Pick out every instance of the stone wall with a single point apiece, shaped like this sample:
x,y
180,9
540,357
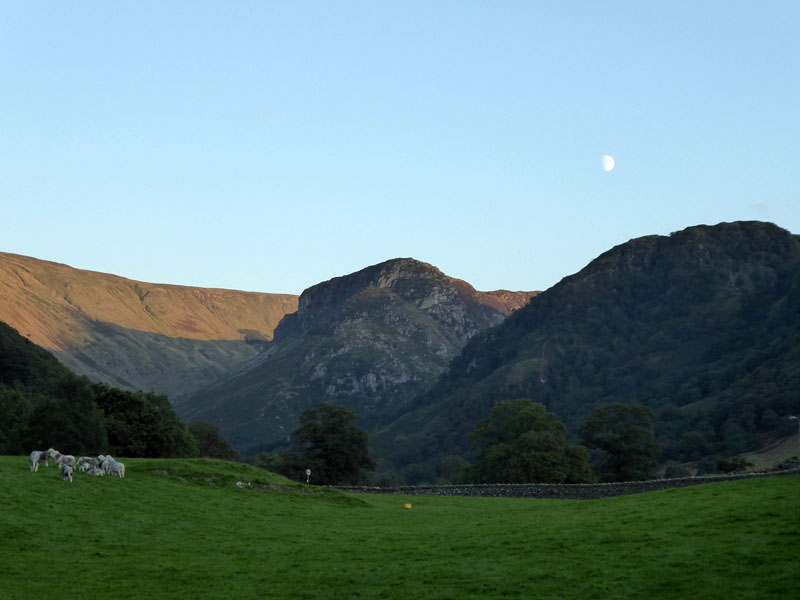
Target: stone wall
x,y
574,491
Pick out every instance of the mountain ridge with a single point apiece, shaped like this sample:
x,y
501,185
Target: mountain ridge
x,y
703,326
96,322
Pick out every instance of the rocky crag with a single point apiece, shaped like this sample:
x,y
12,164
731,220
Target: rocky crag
x,y
370,341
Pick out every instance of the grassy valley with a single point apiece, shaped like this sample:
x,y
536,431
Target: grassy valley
x,y
184,529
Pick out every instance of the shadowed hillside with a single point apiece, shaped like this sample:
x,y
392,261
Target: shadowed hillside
x,y
703,326
166,338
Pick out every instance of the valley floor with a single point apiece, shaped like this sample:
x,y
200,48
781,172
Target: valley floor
x,y
195,529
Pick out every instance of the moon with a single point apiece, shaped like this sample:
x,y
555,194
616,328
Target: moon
x,y
608,163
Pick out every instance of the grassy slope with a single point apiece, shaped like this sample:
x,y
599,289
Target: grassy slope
x,y
165,338
52,304
151,535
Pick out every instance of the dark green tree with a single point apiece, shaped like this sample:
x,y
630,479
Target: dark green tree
x,y
143,425
13,405
331,445
520,442
70,423
622,436
210,443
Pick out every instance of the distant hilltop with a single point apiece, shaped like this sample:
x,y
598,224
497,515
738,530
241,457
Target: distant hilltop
x,y
137,335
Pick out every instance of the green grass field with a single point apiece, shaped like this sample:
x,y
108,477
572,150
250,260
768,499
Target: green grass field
x,y
156,536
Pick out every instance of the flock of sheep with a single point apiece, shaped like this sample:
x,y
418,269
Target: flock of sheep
x,y
91,465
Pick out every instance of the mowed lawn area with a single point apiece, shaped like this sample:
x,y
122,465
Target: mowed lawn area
x,y
164,531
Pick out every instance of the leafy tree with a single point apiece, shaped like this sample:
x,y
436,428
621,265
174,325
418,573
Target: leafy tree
x,y
143,425
71,424
287,463
331,445
520,442
210,443
622,434
13,405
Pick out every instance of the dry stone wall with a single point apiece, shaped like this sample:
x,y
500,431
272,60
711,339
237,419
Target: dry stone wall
x,y
573,491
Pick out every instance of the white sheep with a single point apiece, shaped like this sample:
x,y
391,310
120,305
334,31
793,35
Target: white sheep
x,y
65,459
66,473
38,457
34,460
118,469
106,464
96,472
86,462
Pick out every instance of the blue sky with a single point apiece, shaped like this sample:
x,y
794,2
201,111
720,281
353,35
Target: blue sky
x,y
268,146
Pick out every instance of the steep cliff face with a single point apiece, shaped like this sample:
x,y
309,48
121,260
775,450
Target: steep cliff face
x,y
369,340
165,338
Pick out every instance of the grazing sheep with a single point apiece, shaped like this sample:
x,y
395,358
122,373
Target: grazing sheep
x,y
34,460
65,459
38,457
96,472
106,464
118,469
86,462
66,473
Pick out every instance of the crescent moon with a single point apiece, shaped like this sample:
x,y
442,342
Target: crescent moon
x,y
608,163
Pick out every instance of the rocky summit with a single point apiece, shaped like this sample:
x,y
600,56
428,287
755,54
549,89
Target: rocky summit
x,y
371,341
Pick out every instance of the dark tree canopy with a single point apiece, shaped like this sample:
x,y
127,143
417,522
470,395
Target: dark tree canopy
x,y
520,442
623,436
65,417
72,425
331,445
210,443
143,425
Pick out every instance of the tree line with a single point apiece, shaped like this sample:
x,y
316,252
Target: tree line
x,y
94,418
42,404
518,442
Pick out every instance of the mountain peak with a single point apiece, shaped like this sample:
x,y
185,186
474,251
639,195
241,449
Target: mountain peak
x,y
382,275
370,340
